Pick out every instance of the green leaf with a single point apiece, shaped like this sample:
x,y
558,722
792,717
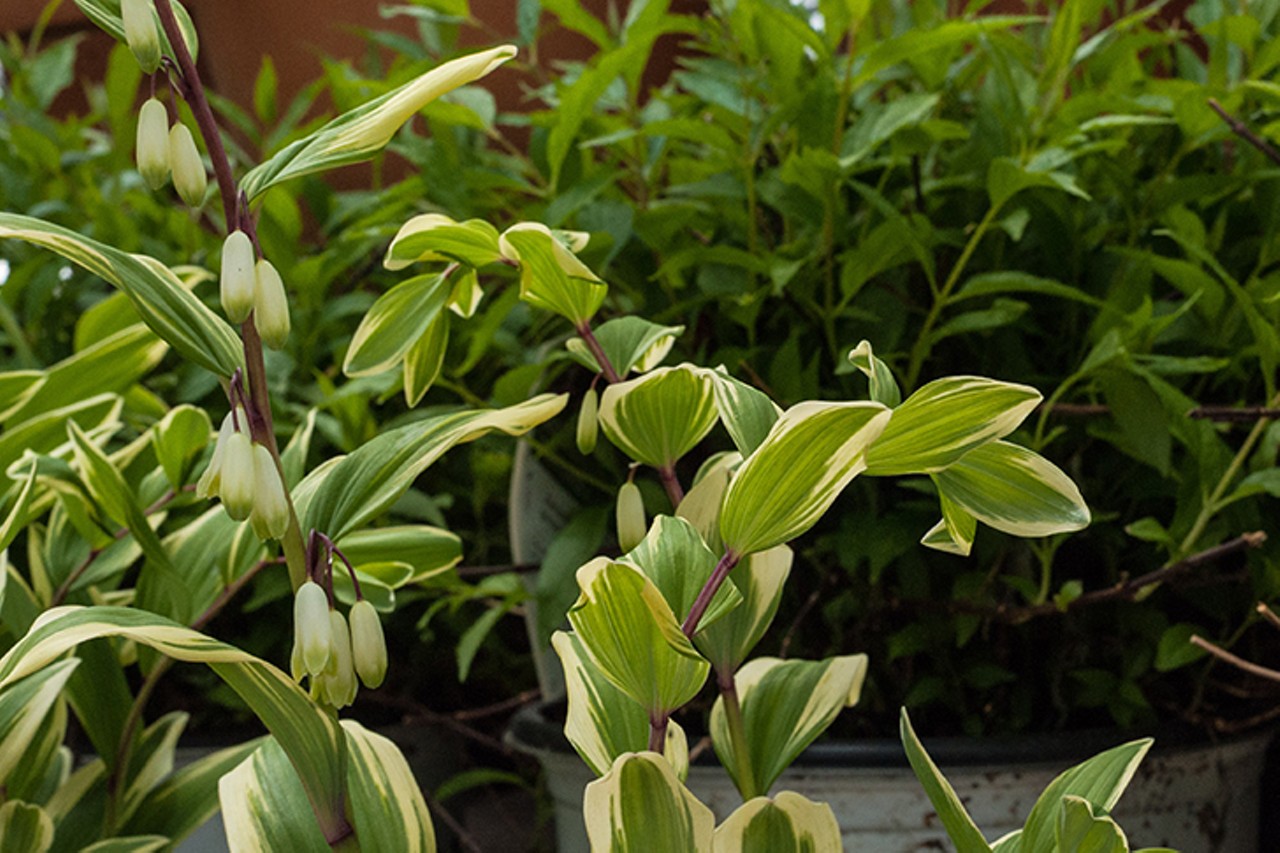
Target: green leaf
x,y
1081,830
131,844
106,15
264,806
1014,490
629,343
659,417
640,806
428,551
955,532
359,134
960,827
435,237
425,359
1100,781
351,491
1007,177
786,705
178,439
748,413
552,277
24,828
789,823
151,760
164,304
16,519
675,558
184,801
809,456
1175,648
23,709
394,323
1015,281
602,723
759,579
884,388
630,634
386,802
944,420
311,738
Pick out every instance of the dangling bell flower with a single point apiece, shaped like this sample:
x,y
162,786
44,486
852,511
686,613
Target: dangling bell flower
x,y
270,516
338,681
189,176
631,521
270,305
211,480
237,477
140,33
312,630
237,276
368,645
153,143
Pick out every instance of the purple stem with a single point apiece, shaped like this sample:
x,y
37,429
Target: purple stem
x,y
708,592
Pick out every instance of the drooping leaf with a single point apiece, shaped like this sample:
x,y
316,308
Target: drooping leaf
x,y
630,634
954,533
786,705
434,237
551,276
358,134
394,323
812,452
641,806
164,304
425,359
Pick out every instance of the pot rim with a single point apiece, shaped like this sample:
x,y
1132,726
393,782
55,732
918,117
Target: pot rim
x,y
533,731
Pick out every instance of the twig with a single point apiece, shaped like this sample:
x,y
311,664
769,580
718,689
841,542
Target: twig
x,y
1236,661
517,701
1268,614
464,838
1087,410
1241,414
1240,129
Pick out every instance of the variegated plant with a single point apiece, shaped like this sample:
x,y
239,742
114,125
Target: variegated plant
x,y
125,563
693,592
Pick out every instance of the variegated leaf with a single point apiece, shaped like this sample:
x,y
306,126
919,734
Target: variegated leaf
x,y
164,304
428,551
954,533
1014,490
701,504
183,801
660,416
24,828
788,823
48,432
312,739
434,237
884,388
747,412
350,491
23,709
129,844
630,634
759,578
1082,828
264,806
425,359
360,133
1100,781
675,558
178,440
786,705
151,760
602,721
960,827
640,806
551,276
629,343
785,486
106,14
394,323
386,803
945,419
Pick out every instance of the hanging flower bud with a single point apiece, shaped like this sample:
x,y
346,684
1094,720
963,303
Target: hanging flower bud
x,y
631,522
338,681
270,516
237,276
140,33
211,480
312,630
588,423
153,143
237,477
297,668
189,177
270,305
368,646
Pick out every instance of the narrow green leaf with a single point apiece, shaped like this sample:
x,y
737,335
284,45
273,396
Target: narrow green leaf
x,y
165,305
1014,490
360,133
425,359
184,801
812,452
960,827
884,388
640,806
748,413
394,323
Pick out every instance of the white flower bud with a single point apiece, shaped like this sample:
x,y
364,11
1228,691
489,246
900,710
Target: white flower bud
x,y
141,33
588,422
270,515
270,305
189,177
211,480
296,666
237,276
153,143
631,521
237,477
312,630
339,676
368,646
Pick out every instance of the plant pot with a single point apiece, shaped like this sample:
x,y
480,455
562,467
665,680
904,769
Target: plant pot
x,y
1194,796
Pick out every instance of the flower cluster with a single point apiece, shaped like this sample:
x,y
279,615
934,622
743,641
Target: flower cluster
x,y
253,286
244,475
